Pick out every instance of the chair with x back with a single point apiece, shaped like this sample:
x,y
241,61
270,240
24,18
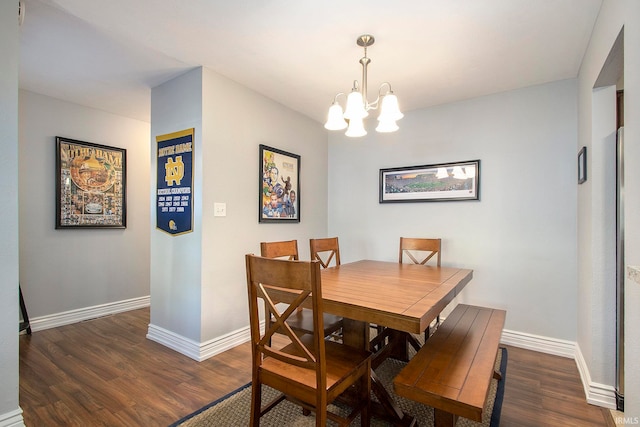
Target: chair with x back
x,y
302,320
308,370
325,251
421,251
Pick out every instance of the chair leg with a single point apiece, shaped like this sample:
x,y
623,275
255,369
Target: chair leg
x,y
256,401
321,415
365,388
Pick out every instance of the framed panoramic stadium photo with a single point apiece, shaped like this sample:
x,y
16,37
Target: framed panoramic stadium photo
x,y
431,183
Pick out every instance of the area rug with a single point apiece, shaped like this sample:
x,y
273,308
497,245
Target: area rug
x,y
233,409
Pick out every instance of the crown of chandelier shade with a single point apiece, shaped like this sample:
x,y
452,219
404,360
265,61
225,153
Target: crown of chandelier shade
x,y
358,107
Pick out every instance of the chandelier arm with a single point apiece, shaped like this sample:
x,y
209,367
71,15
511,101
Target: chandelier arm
x,y
375,104
335,98
381,85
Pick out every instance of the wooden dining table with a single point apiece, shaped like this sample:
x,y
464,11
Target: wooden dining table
x,y
403,297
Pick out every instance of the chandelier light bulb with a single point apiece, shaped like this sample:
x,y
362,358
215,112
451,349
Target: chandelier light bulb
x,y
335,119
355,106
389,109
386,126
356,128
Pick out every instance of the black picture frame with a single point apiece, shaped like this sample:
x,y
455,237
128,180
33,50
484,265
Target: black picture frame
x,y
582,165
90,185
454,181
278,186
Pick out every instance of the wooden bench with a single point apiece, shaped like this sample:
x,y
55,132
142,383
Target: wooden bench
x,y
452,371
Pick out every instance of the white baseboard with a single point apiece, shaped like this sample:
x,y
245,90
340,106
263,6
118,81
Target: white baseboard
x,y
539,343
87,313
596,393
12,419
195,350
176,342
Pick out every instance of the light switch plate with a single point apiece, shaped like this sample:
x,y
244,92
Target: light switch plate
x,y
219,209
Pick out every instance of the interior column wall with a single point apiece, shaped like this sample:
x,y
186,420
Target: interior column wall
x,y
10,413
176,261
198,279
598,236
613,17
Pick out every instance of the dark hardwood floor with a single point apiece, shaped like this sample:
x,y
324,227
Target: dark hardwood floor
x,y
545,390
104,372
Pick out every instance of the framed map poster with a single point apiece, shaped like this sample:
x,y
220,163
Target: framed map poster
x,y
90,185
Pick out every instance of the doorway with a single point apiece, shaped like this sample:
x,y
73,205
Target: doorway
x,y
608,140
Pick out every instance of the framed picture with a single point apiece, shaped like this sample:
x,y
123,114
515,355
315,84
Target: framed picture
x,y
582,165
90,185
279,186
431,183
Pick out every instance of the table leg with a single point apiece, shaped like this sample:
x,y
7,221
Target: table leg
x,y
387,409
399,343
356,334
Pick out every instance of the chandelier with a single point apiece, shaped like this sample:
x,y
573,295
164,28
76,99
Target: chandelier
x,y
358,106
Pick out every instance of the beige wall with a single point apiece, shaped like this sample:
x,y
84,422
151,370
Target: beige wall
x,y
62,271
519,238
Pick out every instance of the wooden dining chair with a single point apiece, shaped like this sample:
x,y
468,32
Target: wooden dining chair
x,y
308,370
302,320
421,251
325,250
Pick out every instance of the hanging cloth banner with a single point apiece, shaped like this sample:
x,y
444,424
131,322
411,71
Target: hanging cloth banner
x,y
174,196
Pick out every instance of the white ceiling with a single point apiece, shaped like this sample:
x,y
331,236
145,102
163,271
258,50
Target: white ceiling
x,y
109,54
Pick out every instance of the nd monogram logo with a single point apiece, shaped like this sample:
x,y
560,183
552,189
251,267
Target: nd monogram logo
x,y
174,171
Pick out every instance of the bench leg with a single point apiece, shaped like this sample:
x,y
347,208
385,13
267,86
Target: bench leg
x,y
443,419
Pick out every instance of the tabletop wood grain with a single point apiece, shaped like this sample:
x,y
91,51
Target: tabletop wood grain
x,y
405,297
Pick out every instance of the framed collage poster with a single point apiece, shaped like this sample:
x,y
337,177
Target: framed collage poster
x,y
90,185
431,183
278,186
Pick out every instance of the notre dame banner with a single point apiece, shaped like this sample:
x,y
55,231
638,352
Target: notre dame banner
x,y
174,197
